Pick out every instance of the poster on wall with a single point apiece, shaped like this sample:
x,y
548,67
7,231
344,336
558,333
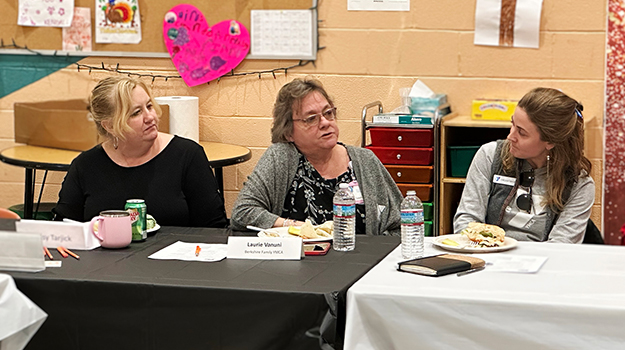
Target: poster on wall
x,y
199,51
77,37
509,23
378,5
117,22
49,13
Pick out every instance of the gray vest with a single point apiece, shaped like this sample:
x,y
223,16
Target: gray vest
x,y
500,195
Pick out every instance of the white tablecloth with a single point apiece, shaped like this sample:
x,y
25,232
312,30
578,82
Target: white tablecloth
x,y
575,301
20,318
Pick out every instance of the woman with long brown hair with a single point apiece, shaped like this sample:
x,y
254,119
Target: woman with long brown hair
x,y
536,183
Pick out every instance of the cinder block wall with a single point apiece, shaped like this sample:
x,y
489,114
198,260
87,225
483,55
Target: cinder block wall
x,y
368,56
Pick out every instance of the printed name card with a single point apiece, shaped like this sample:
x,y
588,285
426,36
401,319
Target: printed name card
x,y
288,248
21,252
71,235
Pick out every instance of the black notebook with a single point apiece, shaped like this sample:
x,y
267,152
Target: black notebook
x,y
439,265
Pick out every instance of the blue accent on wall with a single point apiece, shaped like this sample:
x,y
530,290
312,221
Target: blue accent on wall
x,y
17,71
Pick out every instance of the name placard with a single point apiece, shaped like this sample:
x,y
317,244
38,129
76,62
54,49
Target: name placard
x,y
71,235
289,248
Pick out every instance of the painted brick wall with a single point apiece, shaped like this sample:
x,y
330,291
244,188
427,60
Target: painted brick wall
x,y
368,56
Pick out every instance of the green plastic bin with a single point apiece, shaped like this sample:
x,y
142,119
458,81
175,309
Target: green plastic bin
x,y
44,213
460,158
427,228
427,211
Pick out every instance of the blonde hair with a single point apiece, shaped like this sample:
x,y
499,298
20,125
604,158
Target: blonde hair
x,y
289,99
111,100
559,121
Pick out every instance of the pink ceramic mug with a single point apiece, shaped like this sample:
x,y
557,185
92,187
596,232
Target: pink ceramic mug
x,y
114,228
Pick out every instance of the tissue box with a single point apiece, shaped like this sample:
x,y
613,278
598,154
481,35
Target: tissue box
x,y
61,124
423,105
486,109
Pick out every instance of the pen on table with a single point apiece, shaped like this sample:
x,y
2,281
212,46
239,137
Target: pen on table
x,y
71,253
47,252
62,251
470,271
197,250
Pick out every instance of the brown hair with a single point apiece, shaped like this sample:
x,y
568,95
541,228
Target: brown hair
x,y
111,100
559,121
288,100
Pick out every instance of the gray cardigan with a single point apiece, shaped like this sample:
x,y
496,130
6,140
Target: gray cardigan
x,y
261,200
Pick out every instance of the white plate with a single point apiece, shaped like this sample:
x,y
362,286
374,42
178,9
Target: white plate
x,y
464,247
284,232
154,229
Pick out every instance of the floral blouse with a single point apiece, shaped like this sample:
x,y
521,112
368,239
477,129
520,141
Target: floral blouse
x,y
310,195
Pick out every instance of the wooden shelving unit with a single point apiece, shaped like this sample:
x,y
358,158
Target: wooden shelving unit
x,y
460,130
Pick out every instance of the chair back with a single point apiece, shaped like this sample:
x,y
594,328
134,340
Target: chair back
x,y
592,235
7,214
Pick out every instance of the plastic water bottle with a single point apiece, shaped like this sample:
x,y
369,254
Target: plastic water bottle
x,y
412,226
344,219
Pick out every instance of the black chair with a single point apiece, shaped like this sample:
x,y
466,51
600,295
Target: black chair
x,y
593,235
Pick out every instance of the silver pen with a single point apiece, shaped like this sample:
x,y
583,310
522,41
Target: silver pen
x,y
460,274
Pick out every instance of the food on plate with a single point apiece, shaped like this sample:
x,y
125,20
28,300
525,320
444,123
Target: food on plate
x,y
150,222
485,235
450,242
308,231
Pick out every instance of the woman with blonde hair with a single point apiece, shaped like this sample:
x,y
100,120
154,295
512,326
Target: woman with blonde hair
x,y
536,183
136,161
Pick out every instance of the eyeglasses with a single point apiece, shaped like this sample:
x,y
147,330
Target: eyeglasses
x,y
524,201
314,119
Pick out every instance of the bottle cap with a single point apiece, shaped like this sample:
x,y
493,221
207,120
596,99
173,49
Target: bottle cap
x,y
411,193
343,185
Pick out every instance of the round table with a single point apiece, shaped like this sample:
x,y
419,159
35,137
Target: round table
x,y
35,157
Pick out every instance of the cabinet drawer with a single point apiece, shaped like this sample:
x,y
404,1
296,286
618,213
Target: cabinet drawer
x,y
424,191
404,155
401,137
411,174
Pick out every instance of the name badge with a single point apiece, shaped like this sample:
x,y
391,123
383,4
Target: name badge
x,y
287,248
504,180
356,191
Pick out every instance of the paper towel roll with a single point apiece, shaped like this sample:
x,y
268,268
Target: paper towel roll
x,y
183,115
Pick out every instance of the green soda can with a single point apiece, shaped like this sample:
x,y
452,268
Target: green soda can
x,y
138,216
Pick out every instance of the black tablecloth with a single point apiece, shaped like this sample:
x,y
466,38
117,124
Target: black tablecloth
x,y
120,299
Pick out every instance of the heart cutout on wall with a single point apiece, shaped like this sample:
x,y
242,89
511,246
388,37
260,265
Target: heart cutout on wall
x,y
200,52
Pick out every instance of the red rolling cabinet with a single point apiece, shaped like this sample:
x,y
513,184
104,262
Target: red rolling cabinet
x,y
409,152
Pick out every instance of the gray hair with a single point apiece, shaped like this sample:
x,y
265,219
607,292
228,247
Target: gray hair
x,y
289,99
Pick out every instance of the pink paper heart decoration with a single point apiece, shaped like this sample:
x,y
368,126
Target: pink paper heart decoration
x,y
202,53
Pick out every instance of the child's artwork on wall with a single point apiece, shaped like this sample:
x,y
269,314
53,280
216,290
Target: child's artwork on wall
x,y
508,23
78,36
117,21
201,52
49,13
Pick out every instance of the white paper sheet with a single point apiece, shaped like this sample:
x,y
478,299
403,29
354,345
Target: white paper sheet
x,y
512,263
117,22
526,23
186,251
281,32
49,13
78,36
378,5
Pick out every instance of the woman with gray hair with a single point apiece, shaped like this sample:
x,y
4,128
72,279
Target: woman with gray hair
x,y
536,183
297,176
